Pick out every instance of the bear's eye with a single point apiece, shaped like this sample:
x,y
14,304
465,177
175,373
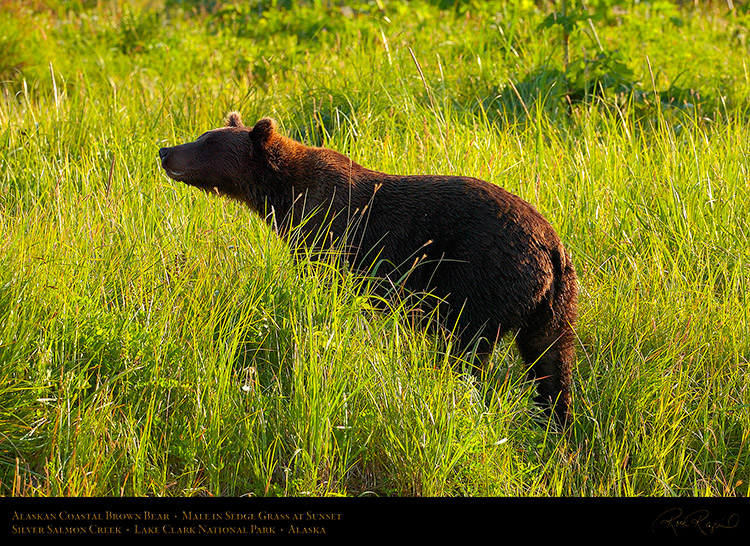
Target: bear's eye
x,y
207,140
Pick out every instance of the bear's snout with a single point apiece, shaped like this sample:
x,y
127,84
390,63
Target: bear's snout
x,y
168,160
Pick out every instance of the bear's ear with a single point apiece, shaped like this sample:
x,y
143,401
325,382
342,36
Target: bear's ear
x,y
234,120
263,130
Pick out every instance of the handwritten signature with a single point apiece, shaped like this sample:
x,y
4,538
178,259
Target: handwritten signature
x,y
699,520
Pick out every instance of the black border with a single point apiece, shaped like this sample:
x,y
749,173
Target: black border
x,y
303,520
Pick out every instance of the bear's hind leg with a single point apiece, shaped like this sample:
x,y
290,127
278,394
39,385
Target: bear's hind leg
x,y
549,352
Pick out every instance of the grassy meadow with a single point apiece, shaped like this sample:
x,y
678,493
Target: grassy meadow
x,y
158,341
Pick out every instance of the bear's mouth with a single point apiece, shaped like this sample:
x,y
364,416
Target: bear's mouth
x,y
175,174
184,177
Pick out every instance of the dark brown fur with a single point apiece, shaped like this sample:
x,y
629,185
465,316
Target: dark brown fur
x,y
494,260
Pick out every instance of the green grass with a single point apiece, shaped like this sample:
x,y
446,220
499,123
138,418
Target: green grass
x,y
157,341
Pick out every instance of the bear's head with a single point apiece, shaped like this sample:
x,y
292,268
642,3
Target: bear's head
x,y
222,160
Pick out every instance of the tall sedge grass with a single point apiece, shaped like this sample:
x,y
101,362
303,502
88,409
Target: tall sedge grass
x,y
157,341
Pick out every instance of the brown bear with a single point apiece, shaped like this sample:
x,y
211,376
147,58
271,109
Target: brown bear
x,y
490,258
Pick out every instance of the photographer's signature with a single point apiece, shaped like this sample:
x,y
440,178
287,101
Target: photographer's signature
x,y
698,520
